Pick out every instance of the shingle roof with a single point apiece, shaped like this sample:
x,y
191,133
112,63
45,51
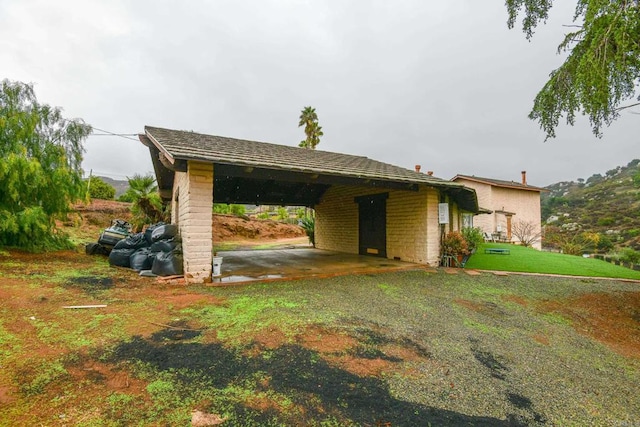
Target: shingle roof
x,y
288,162
499,182
188,145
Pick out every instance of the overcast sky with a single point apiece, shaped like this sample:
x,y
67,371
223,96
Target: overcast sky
x,y
443,84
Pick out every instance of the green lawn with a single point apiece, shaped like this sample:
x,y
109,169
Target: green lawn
x,y
529,260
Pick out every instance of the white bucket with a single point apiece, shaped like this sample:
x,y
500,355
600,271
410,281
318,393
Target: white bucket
x,y
217,265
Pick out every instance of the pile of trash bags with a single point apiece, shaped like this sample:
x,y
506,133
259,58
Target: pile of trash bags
x,y
157,249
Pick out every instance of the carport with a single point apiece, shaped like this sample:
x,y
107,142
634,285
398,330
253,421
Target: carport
x,y
362,206
300,263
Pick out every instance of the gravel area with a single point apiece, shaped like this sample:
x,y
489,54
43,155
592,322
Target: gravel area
x,y
495,353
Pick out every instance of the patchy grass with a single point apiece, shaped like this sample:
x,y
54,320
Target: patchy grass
x,y
401,349
528,260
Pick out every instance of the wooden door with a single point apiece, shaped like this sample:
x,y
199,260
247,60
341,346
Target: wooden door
x,y
372,224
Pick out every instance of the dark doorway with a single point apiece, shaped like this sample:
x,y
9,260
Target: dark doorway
x,y
372,224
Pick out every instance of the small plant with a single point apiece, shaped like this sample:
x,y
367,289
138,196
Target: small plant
x,y
455,244
473,236
526,232
283,213
309,226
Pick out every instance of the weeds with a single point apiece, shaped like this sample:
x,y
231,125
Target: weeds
x,y
244,315
34,383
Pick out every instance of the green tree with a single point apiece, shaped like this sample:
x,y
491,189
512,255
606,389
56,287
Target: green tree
x,y
309,119
40,168
602,69
283,213
98,189
147,205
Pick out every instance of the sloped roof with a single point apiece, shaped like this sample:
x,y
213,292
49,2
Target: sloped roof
x,y
217,149
178,147
499,183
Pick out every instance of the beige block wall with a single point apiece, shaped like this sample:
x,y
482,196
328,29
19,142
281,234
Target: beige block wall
x,y
486,222
192,213
524,203
412,223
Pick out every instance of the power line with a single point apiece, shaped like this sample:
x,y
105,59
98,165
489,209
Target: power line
x,y
108,133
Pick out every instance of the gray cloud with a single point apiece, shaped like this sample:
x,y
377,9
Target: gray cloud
x,y
441,84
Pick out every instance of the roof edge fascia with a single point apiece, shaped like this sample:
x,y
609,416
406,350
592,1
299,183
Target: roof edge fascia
x,y
159,146
514,186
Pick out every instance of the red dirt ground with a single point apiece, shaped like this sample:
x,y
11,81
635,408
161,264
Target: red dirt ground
x,y
610,318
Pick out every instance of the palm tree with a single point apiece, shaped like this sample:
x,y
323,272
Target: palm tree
x,y
309,119
143,193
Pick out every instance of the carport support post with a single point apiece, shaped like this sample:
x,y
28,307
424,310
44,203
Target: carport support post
x,y
195,211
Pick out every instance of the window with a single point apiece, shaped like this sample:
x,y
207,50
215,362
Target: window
x,y
467,220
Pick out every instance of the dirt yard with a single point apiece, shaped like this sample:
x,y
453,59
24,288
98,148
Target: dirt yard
x,y
398,349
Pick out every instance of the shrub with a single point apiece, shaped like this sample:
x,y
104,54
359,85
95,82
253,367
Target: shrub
x,y
473,236
604,243
238,210
572,248
603,222
283,213
309,226
630,255
455,244
98,189
221,208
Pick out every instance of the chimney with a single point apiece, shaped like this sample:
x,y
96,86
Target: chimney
x,y
430,173
418,168
524,177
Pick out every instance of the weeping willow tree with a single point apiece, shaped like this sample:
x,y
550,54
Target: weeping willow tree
x,y
601,73
40,168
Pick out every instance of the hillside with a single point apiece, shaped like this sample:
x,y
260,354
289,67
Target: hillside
x,y
87,221
121,186
608,204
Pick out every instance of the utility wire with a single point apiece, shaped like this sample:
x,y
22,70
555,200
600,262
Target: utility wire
x,y
108,133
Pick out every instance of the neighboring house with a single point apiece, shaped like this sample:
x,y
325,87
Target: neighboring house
x,y
510,204
362,206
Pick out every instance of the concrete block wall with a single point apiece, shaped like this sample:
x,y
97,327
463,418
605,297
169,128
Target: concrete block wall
x,y
192,213
433,225
408,230
337,219
412,222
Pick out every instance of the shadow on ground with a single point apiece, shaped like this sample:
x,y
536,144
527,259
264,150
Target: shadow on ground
x,y
317,389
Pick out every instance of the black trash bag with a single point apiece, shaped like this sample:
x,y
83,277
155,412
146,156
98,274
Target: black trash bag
x,y
167,264
141,259
135,241
164,232
95,249
120,257
149,231
166,245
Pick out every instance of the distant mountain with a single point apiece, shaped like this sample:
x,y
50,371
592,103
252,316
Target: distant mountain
x,y
608,204
121,186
